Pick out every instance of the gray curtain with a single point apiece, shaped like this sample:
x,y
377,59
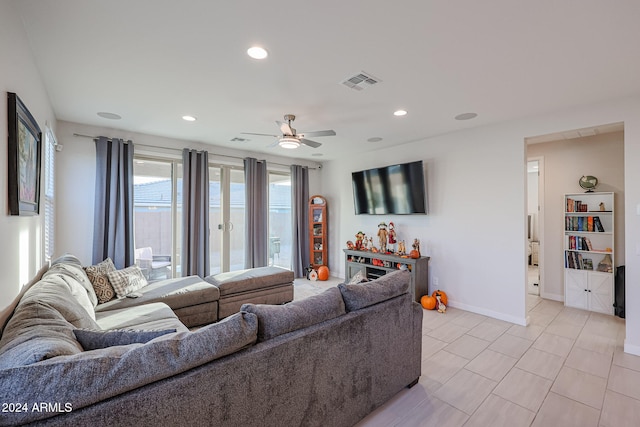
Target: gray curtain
x,y
256,253
300,219
195,213
113,216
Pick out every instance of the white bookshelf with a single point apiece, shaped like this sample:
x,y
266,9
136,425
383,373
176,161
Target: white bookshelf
x,y
589,255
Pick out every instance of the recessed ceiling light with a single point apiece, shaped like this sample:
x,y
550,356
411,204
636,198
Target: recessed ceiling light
x,y
400,113
374,139
189,118
110,116
256,52
466,116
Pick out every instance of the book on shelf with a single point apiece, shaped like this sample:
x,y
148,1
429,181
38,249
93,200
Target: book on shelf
x,y
583,223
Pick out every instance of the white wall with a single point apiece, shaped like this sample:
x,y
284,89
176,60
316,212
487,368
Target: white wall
x,y
476,228
75,175
564,162
22,247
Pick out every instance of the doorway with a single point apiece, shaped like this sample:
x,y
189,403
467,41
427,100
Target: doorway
x,y
534,224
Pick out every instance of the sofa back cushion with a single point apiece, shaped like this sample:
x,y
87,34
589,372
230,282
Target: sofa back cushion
x,y
8,312
74,266
361,295
42,325
274,320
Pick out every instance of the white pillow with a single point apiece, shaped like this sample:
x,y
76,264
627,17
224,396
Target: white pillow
x,y
127,280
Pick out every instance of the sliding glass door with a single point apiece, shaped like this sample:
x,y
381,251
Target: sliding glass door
x,y
280,220
155,216
226,210
158,208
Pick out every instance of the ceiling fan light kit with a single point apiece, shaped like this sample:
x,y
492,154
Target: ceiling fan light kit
x,y
289,142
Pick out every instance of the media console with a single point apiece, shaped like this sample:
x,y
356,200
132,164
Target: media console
x,y
363,261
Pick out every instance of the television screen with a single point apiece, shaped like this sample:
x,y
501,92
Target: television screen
x,y
396,189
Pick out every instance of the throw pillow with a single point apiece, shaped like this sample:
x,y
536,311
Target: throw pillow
x,y
93,340
98,276
127,280
274,320
359,277
363,295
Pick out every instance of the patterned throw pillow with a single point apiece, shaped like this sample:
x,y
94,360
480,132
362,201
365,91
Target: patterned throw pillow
x,y
127,280
98,277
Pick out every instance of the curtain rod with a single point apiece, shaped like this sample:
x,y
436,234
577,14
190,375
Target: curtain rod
x,y
178,149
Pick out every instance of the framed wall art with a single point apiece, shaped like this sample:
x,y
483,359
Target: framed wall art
x,y
25,148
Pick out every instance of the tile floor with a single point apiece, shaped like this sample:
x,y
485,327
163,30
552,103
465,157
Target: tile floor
x,y
567,368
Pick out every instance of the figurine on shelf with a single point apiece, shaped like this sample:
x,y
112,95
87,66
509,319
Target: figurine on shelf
x,y
416,245
402,250
602,208
350,245
392,238
370,244
382,235
359,238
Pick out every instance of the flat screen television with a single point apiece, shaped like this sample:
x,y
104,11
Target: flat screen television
x,y
396,189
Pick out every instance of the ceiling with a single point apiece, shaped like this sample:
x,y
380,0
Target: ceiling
x,y
151,62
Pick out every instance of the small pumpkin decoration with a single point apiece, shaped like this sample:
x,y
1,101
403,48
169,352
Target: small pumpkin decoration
x,y
428,302
415,254
323,272
443,296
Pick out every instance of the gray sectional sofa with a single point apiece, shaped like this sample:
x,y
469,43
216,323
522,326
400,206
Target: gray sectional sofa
x,y
325,360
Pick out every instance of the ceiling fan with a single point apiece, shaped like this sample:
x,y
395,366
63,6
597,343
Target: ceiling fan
x,y
290,139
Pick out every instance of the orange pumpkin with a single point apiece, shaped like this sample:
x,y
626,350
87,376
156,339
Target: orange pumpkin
x,y
415,254
428,302
323,272
443,296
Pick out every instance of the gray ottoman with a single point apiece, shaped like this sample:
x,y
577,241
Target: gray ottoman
x,y
262,285
194,302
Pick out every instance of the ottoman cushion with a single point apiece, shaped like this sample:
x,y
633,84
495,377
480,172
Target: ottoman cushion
x,y
251,279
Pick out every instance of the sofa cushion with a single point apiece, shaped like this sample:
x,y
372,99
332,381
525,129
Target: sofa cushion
x,y
93,340
274,320
127,280
357,296
8,312
147,316
250,279
42,325
98,277
74,266
176,293
73,277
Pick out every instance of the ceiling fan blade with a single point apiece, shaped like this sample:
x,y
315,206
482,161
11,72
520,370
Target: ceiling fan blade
x,y
285,128
261,134
274,144
318,133
310,143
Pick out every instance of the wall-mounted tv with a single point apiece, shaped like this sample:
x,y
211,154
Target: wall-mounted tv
x,y
396,189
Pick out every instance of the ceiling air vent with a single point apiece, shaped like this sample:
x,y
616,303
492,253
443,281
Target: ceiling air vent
x,y
236,139
360,81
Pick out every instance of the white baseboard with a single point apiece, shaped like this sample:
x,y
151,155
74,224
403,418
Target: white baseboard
x,y
496,315
631,349
554,297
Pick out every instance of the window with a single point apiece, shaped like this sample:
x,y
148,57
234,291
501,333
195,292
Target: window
x,y
50,145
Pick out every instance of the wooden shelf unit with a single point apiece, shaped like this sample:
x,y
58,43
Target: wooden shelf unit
x,y
356,261
318,231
